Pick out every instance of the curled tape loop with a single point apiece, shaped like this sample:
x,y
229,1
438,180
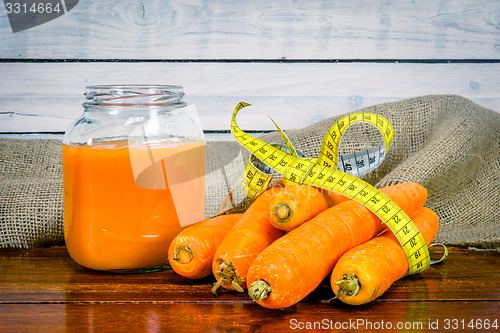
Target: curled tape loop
x,y
356,164
443,256
324,172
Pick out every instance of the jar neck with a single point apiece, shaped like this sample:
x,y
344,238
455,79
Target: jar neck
x,y
137,96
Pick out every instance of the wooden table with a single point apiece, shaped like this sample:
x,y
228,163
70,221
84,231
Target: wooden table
x,y
44,290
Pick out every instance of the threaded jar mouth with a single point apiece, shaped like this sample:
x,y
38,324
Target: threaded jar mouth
x,y
134,95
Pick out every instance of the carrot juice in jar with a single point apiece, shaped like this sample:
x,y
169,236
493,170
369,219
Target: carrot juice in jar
x,y
134,166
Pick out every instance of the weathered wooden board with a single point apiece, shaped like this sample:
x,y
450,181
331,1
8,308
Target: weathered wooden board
x,y
41,97
44,290
260,29
226,51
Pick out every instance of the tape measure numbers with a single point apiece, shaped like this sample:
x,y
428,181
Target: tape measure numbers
x,y
358,163
323,172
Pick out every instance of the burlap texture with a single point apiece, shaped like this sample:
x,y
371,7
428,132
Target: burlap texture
x,y
31,193
447,143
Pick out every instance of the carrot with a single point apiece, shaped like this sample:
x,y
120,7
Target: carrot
x,y
295,205
366,271
294,265
191,252
333,197
252,234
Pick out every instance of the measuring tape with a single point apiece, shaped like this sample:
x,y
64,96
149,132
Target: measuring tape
x,y
326,172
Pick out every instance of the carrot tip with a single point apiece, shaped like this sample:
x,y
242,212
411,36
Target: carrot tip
x,y
259,290
348,285
183,255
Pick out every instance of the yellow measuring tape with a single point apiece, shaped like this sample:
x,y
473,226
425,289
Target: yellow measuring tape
x,y
326,172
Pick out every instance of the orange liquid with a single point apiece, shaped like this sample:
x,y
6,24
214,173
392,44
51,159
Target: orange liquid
x,y
119,211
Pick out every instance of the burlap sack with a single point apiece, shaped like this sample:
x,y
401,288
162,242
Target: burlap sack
x,y
446,143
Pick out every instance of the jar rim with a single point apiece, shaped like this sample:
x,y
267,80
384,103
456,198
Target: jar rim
x,y
129,86
133,94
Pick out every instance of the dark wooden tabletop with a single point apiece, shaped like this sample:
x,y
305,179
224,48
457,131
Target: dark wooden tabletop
x,y
44,290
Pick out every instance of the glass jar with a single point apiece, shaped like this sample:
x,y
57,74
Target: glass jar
x,y
134,166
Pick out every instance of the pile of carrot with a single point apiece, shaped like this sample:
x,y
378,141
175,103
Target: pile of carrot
x,y
292,237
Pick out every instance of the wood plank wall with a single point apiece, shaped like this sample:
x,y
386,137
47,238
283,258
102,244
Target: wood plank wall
x,y
301,61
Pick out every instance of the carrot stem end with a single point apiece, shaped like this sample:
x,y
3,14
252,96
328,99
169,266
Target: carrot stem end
x,y
183,255
283,212
227,276
259,290
348,285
